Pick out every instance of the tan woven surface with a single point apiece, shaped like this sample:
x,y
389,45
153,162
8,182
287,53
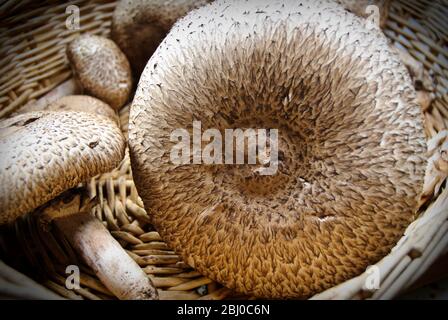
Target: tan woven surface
x,y
421,28
33,62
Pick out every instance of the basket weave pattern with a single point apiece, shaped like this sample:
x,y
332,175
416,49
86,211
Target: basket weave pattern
x,y
33,63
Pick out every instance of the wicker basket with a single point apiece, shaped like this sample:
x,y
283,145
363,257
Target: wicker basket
x,y
34,69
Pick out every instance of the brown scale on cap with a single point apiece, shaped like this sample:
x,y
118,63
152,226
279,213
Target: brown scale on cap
x,y
101,69
43,154
138,26
350,131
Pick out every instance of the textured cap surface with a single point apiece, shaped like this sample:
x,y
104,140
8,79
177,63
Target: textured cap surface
x,y
101,68
84,104
350,135
43,154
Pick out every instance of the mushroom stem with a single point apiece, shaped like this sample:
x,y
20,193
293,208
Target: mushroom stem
x,y
110,262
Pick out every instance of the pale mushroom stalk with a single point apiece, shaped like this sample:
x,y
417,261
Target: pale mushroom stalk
x,y
101,252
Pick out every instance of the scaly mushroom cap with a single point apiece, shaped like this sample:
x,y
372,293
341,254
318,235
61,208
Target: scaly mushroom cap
x,y
138,26
84,104
101,69
43,154
351,144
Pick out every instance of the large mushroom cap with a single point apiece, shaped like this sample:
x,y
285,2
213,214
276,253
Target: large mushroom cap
x,y
351,144
101,69
43,154
138,26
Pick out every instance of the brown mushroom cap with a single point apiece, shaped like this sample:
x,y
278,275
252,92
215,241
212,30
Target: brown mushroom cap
x,y
138,26
84,104
43,154
101,68
350,132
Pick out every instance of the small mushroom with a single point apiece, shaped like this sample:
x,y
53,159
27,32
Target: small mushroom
x,y
101,69
43,154
84,104
138,26
351,144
